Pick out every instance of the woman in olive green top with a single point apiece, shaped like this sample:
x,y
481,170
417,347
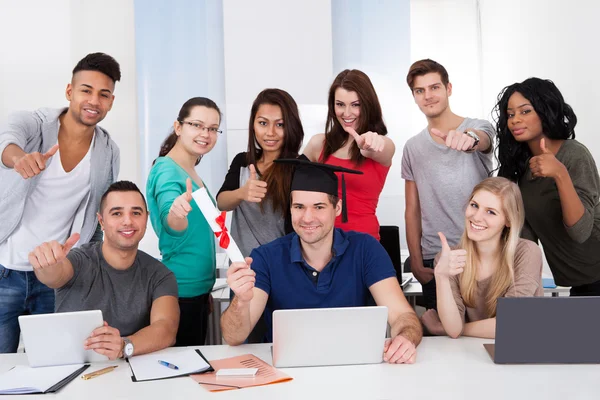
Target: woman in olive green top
x,y
186,241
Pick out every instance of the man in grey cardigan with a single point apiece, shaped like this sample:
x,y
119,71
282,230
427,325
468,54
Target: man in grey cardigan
x,y
55,166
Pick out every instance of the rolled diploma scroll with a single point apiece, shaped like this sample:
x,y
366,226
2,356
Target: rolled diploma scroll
x,y
211,214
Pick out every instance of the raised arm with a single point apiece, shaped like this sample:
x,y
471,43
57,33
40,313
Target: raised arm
x,y
254,190
577,218
50,263
247,306
21,128
449,264
27,165
372,145
180,208
461,141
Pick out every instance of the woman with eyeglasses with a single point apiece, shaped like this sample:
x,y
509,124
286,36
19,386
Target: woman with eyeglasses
x,y
355,138
256,189
186,241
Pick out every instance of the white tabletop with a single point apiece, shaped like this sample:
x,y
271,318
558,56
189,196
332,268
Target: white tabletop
x,y
446,368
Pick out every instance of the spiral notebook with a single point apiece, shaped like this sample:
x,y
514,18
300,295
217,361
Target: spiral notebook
x,y
26,380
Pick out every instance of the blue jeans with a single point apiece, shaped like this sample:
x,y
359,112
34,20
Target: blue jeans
x,y
20,293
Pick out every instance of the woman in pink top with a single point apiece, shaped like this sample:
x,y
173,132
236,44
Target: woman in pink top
x,y
491,261
355,138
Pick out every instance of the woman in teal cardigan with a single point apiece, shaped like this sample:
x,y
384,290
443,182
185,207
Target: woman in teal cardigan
x,y
186,241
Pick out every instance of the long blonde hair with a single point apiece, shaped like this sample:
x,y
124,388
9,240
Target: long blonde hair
x,y
503,276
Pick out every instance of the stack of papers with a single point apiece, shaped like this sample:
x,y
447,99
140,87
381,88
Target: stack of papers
x,y
25,380
266,375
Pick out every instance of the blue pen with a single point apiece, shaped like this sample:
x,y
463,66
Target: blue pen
x,y
168,364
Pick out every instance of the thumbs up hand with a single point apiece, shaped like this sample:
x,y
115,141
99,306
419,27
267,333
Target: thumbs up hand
x,y
546,165
455,140
368,141
51,253
450,262
32,164
181,206
254,190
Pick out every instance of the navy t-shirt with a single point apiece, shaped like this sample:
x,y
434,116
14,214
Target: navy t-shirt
x,y
358,262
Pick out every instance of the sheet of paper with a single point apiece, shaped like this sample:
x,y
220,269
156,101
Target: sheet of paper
x,y
146,367
220,283
266,374
24,379
211,214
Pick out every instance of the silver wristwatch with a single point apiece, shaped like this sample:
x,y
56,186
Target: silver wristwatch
x,y
475,137
127,348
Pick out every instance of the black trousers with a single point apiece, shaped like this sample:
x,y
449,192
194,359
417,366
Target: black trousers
x,y
429,294
193,320
591,289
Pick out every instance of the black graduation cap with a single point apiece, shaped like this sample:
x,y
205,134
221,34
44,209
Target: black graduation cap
x,y
318,177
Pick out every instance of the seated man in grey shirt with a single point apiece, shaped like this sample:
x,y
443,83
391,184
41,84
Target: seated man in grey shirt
x,y
136,293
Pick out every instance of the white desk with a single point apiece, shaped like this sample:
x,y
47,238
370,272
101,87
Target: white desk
x,y
445,368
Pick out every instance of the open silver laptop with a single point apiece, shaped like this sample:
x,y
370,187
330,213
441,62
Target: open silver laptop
x,y
329,336
546,330
57,339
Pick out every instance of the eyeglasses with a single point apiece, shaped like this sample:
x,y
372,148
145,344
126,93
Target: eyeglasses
x,y
199,127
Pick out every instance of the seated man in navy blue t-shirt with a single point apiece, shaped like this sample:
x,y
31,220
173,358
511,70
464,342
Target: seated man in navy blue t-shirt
x,y
319,266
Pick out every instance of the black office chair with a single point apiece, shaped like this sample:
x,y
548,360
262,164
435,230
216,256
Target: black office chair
x,y
390,240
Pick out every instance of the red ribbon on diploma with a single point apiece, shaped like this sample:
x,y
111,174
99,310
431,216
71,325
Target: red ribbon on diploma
x,y
223,236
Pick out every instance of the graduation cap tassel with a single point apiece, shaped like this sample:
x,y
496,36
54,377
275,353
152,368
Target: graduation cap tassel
x,y
344,207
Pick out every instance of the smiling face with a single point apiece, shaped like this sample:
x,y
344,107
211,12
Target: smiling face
x,y
313,215
198,131
347,108
431,95
484,218
90,96
123,219
522,120
269,128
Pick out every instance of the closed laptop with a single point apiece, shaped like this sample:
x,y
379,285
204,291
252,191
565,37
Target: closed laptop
x,y
547,330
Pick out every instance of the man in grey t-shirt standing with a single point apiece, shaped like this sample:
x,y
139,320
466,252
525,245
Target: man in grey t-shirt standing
x,y
136,293
440,165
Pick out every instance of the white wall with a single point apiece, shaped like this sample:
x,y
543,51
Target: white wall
x,y
42,42
276,44
549,39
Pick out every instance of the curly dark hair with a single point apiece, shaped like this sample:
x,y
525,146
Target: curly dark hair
x,y
100,62
557,117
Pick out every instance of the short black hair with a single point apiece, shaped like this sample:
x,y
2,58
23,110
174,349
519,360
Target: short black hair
x,y
121,186
100,62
